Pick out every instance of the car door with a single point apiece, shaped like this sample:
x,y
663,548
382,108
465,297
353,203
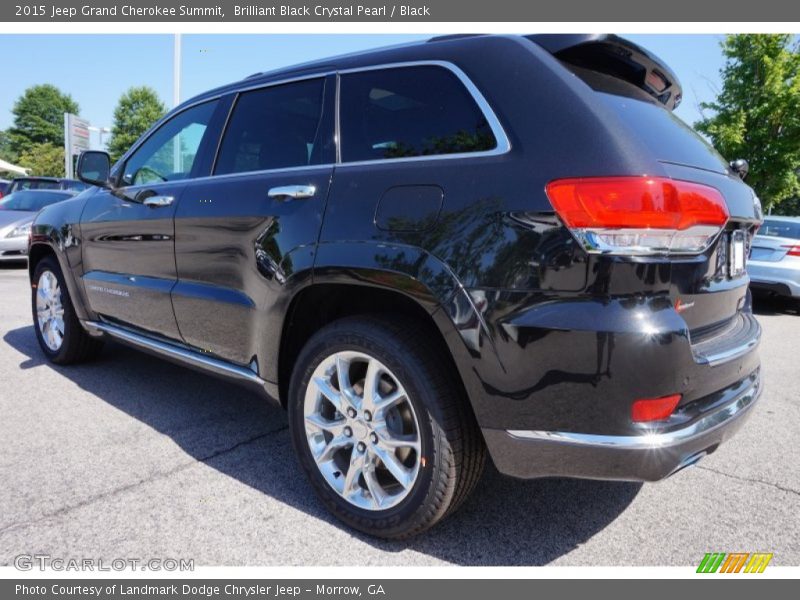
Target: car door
x,y
246,233
128,233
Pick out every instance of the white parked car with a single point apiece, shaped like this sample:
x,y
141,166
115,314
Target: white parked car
x,y
775,257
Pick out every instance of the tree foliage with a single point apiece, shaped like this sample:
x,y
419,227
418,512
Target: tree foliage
x,y
136,111
39,118
756,115
44,160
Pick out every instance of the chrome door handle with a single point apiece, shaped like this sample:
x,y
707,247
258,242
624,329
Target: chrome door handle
x,y
158,201
292,191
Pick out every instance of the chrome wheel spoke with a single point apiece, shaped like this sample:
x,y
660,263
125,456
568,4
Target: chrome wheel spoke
x,y
382,404
331,448
356,467
402,474
392,441
374,487
371,380
320,424
332,395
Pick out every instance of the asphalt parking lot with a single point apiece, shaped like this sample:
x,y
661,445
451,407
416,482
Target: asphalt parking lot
x,y
130,456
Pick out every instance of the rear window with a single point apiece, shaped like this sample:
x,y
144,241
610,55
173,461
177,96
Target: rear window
x,y
31,201
35,184
669,138
409,111
784,229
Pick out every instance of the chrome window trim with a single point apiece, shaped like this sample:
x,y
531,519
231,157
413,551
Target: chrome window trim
x,y
503,144
235,91
322,166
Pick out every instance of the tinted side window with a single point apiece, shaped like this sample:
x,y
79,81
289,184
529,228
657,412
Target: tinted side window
x,y
274,128
409,111
169,153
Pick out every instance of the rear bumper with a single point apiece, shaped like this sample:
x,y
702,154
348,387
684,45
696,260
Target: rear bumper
x,y
782,277
694,431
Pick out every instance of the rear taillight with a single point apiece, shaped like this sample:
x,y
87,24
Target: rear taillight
x,y
792,250
639,215
654,409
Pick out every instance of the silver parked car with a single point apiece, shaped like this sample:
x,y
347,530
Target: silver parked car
x,y
775,258
17,211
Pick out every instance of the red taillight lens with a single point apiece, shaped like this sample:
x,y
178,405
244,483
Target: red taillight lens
x,y
654,409
792,250
639,214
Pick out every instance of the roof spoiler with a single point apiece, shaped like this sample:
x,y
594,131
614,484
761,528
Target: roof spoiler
x,y
615,56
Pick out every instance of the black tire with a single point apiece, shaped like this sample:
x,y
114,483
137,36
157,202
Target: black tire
x,y
77,345
452,445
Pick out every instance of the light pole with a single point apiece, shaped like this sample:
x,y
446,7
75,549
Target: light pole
x,y
100,132
176,70
176,98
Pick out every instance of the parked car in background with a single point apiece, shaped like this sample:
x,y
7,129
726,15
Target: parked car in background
x,y
774,265
46,183
17,211
428,254
4,185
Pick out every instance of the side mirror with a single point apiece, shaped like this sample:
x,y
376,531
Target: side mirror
x,y
94,168
740,166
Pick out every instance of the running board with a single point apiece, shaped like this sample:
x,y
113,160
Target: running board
x,y
182,355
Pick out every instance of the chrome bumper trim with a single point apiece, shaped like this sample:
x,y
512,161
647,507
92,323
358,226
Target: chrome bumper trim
x,y
649,441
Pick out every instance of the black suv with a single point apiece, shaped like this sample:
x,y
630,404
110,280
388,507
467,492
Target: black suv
x,y
428,252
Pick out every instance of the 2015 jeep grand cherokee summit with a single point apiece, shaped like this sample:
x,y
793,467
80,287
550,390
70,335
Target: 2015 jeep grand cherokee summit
x,y
427,252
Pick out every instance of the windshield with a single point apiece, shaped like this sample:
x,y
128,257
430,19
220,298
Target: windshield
x,y
784,229
31,201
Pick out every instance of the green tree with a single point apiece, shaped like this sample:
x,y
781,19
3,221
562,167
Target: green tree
x,y
756,115
5,147
39,118
44,160
136,111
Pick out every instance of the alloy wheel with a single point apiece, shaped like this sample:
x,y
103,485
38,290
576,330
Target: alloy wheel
x,y
362,430
50,310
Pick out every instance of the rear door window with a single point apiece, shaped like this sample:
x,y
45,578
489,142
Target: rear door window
x,y
406,112
276,127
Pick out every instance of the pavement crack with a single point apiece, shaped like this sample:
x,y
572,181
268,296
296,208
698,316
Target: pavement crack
x,y
154,477
238,445
751,480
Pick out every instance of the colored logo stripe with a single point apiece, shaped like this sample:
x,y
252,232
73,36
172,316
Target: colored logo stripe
x,y
758,562
734,562
711,562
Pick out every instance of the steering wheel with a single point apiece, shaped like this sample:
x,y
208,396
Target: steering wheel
x,y
145,171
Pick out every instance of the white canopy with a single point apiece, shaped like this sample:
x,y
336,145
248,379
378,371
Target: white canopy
x,y
7,166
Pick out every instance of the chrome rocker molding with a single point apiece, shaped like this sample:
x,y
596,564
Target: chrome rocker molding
x,y
181,354
649,441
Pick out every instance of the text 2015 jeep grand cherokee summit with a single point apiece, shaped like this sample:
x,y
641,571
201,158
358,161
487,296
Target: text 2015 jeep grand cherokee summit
x,y
425,253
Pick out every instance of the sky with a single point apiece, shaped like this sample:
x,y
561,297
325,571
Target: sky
x,y
96,69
